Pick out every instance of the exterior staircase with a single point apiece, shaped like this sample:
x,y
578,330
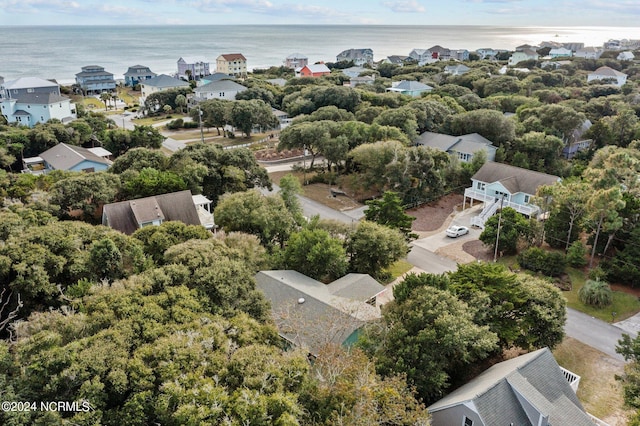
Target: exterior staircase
x,y
488,211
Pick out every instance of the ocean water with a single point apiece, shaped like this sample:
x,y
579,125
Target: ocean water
x,y
59,51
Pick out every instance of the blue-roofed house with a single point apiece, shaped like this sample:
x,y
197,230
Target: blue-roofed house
x,y
93,79
70,158
410,88
531,389
137,74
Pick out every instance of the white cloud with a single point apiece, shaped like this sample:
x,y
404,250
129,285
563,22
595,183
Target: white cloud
x,y
405,6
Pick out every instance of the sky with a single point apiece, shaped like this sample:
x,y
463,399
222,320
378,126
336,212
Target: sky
x,y
621,13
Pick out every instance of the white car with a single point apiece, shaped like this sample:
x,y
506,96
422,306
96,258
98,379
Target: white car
x,y
454,231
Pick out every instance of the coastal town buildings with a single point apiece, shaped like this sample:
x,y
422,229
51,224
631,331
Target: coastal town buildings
x,y
358,56
296,60
93,79
409,88
607,75
313,70
137,74
27,101
234,64
524,55
193,67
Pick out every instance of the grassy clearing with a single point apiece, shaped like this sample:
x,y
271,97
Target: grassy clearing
x,y
624,305
399,268
319,192
128,96
599,392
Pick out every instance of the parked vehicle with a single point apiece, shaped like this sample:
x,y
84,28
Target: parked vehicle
x,y
454,231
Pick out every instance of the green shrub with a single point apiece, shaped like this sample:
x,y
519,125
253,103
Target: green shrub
x,y
596,293
597,274
548,263
175,124
190,125
577,255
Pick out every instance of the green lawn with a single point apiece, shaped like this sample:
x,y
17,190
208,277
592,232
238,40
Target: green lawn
x,y
624,304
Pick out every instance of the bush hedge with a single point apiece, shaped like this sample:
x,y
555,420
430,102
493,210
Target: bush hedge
x,y
548,263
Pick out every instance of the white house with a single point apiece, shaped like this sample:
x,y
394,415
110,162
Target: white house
x,y
589,52
458,69
625,56
608,75
159,83
221,89
525,55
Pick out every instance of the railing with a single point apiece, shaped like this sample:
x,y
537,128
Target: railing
x,y
597,421
488,211
572,378
525,209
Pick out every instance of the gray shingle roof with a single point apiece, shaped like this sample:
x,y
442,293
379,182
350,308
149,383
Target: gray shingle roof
x,y
501,394
64,157
471,143
126,216
515,179
356,287
28,83
321,318
407,85
162,81
220,85
40,98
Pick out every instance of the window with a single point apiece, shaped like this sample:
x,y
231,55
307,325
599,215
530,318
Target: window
x,y
468,421
30,90
480,186
526,198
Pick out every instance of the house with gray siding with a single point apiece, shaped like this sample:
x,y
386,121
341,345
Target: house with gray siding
x,y
358,56
531,389
464,147
93,79
137,74
193,67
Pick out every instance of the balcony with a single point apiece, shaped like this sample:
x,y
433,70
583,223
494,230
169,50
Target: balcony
x,y
525,209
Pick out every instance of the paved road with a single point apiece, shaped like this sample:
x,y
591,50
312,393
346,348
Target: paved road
x,y
594,332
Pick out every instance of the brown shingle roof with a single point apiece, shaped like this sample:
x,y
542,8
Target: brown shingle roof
x,y
127,216
234,57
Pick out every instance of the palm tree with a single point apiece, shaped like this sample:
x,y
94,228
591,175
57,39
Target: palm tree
x,y
104,97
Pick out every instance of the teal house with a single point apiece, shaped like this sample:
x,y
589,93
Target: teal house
x,y
500,185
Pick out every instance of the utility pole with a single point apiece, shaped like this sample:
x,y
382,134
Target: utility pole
x,y
495,252
200,123
304,164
